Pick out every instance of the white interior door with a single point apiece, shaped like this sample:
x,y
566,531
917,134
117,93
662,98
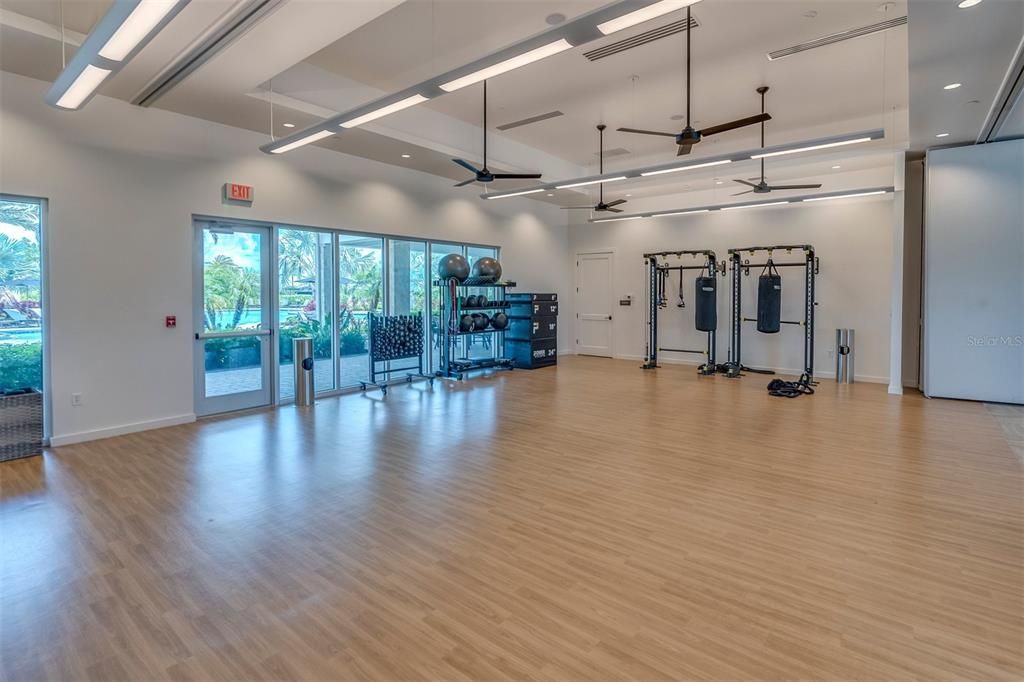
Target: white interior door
x,y
233,333
594,301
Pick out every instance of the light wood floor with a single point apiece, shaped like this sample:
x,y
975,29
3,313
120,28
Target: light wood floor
x,y
590,522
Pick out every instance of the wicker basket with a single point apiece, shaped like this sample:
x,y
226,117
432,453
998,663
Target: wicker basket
x,y
21,425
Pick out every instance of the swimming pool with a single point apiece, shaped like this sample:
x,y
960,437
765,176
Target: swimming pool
x,y
26,335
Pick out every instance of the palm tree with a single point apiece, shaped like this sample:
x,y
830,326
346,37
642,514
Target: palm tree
x,y
246,290
19,260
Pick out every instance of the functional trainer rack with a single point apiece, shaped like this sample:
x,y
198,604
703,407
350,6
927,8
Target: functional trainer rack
x,y
657,269
741,267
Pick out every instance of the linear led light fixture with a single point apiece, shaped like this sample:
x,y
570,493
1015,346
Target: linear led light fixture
x,y
591,182
530,57
645,14
383,111
797,150
573,33
303,141
820,196
847,196
513,194
122,32
682,168
758,205
833,38
612,220
745,155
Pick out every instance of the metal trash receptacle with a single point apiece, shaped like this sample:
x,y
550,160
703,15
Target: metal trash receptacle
x,y
302,357
844,356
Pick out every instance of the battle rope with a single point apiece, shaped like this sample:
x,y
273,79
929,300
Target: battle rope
x,y
790,389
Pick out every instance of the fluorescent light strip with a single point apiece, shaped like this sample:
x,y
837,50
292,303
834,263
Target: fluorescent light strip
x,y
302,142
846,196
611,220
384,111
682,168
663,215
590,182
83,86
139,24
559,45
644,14
514,194
811,148
770,203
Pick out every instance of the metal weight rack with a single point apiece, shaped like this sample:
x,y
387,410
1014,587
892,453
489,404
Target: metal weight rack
x,y
740,267
656,269
452,295
395,337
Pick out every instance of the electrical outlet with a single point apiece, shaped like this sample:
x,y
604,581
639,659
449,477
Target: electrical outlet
x,y
76,400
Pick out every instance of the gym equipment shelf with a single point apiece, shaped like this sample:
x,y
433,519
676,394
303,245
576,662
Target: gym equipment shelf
x,y
451,296
395,337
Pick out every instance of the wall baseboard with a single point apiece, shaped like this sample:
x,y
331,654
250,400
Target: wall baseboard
x,y
110,432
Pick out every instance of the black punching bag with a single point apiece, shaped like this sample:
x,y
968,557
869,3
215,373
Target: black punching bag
x,y
706,308
769,300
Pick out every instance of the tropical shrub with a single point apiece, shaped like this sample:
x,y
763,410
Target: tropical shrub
x,y
21,366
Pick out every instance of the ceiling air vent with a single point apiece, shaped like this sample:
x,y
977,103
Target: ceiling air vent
x,y
532,119
837,38
639,39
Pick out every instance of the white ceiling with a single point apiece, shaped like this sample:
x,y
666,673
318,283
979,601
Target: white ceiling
x,y
348,52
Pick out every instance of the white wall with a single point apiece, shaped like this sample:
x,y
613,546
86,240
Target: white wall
x,y
973,313
851,237
123,184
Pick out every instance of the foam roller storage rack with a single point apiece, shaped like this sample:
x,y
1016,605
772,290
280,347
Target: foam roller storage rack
x,y
454,350
532,337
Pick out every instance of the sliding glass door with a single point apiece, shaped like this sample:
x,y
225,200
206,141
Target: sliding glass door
x,y
232,315
21,307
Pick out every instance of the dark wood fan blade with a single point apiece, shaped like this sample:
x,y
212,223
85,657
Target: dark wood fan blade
x,y
744,182
571,208
733,125
467,165
644,132
741,193
774,187
516,176
613,210
684,149
464,182
616,202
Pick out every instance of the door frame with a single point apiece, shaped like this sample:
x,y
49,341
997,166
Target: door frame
x,y
203,405
611,303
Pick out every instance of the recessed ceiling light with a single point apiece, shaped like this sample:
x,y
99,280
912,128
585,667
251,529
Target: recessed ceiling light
x,y
718,182
551,194
951,86
942,135
964,4
629,195
406,156
836,167
288,125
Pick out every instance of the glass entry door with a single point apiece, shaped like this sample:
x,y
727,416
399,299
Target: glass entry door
x,y
233,329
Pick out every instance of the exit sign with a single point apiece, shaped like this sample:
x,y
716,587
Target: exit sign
x,y
236,192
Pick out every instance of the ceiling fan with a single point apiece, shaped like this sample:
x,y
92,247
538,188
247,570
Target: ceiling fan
x,y
600,205
762,187
483,174
688,136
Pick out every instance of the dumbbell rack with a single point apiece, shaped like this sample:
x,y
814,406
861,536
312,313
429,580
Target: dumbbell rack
x,y
451,294
410,347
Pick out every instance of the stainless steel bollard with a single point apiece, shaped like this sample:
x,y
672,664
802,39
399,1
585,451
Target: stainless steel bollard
x,y
302,357
844,356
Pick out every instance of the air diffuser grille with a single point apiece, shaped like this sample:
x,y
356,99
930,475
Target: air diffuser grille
x,y
639,39
837,38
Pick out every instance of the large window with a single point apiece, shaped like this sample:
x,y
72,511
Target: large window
x,y
407,285
305,267
360,292
479,346
21,312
